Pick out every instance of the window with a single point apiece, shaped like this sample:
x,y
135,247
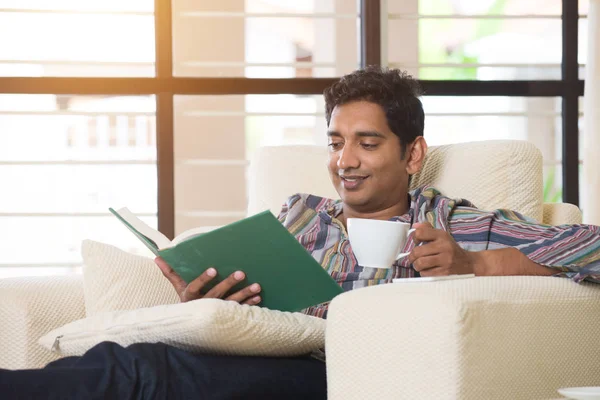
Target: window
x,y
512,41
265,38
215,136
479,40
71,38
66,158
170,102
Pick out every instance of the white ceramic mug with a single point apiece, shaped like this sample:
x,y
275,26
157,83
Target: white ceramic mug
x,y
376,243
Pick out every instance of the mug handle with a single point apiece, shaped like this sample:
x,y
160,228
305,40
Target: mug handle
x,y
401,255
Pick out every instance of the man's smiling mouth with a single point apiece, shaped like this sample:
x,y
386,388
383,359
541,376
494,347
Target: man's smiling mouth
x,y
353,178
352,181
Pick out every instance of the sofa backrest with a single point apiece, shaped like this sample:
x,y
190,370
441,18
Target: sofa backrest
x,y
491,174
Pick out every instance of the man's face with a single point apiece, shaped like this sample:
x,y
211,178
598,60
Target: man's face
x,y
365,157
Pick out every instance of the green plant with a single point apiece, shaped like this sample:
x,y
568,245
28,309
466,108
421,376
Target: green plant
x,y
552,194
431,30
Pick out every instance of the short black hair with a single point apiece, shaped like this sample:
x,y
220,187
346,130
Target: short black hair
x,y
394,90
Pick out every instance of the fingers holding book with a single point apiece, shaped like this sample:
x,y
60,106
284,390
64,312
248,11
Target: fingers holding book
x,y
248,295
222,290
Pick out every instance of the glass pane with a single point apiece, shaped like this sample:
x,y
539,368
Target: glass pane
x,y
75,40
270,39
466,119
487,7
476,48
61,156
460,129
214,159
582,51
58,240
78,5
66,127
78,188
521,41
483,7
584,6
489,73
553,169
553,183
525,106
235,126
296,6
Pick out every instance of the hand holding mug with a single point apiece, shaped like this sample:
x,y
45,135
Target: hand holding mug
x,y
439,254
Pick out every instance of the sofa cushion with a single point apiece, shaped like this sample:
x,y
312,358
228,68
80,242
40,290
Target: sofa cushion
x,y
492,174
116,280
30,307
497,337
206,325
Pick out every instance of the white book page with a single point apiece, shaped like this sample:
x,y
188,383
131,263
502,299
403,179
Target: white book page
x,y
190,233
161,240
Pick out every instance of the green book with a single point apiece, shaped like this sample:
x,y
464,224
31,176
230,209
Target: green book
x,y
290,278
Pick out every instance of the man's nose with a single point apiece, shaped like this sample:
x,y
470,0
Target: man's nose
x,y
348,159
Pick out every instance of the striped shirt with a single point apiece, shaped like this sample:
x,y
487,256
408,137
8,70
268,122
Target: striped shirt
x,y
573,250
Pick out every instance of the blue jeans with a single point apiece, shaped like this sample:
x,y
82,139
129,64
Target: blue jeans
x,y
159,371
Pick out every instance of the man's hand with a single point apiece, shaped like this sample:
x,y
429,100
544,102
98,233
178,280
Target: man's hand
x,y
441,255
248,295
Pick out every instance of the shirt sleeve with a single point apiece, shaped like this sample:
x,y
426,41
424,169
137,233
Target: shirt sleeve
x,y
572,250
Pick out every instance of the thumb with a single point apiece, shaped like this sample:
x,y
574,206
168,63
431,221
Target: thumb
x,y
424,232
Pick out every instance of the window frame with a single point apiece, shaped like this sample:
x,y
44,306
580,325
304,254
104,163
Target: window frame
x,y
165,86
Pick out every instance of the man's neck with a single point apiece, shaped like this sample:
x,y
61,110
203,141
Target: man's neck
x,y
384,214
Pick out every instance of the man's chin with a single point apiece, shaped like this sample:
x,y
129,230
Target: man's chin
x,y
354,199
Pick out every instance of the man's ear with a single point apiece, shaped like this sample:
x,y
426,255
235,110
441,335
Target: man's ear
x,y
416,155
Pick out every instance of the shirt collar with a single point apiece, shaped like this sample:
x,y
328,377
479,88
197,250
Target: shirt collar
x,y
336,208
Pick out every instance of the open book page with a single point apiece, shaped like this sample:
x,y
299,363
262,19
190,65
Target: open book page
x,y
190,233
140,227
159,241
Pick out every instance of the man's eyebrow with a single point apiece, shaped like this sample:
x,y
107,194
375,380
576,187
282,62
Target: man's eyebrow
x,y
370,134
359,134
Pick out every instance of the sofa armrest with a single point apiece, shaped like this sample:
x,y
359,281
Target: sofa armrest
x,y
561,213
480,338
29,308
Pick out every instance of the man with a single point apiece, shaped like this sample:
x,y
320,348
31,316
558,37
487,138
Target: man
x,y
375,132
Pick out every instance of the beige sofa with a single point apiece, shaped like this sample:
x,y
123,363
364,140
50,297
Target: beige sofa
x,y
481,338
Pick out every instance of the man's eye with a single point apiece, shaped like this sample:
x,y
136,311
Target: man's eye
x,y
369,146
335,146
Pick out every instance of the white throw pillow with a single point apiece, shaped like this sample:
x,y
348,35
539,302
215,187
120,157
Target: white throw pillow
x,y
206,325
116,280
